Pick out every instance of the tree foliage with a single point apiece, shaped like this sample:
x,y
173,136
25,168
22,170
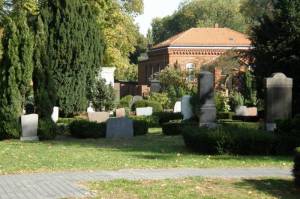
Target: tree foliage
x,y
103,96
200,13
276,40
71,40
16,69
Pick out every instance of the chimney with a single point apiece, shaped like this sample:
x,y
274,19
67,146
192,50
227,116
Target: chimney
x,y
216,25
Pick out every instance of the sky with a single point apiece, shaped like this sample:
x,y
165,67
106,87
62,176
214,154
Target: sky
x,y
155,8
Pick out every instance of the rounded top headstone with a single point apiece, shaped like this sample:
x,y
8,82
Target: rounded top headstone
x,y
279,76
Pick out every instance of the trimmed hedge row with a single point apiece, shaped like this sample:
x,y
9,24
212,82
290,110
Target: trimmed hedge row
x,y
172,128
236,139
296,170
157,107
164,117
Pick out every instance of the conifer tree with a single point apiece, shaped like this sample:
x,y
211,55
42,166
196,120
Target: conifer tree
x,y
73,51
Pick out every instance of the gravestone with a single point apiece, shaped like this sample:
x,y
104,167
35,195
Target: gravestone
x,y
278,99
120,112
134,100
186,107
241,111
29,127
145,111
177,107
207,113
119,128
98,117
55,114
155,86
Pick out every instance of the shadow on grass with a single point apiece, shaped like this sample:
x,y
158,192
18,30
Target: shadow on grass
x,y
278,188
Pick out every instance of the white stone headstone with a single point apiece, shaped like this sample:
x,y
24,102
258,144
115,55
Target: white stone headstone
x,y
90,110
241,111
146,111
186,107
29,127
55,114
108,74
177,107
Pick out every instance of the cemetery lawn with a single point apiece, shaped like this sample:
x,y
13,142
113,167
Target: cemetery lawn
x,y
151,151
197,188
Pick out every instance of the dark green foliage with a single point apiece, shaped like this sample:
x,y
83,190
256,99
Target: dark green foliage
x,y
85,129
125,102
66,121
103,96
47,129
140,127
73,48
296,170
164,117
15,73
238,138
276,41
152,121
288,127
172,128
157,107
225,115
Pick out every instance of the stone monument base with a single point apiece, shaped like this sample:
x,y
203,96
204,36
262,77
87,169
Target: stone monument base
x,y
35,138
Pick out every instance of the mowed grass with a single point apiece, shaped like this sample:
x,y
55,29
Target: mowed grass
x,y
196,188
151,151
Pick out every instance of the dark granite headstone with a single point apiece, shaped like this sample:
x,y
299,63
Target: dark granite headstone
x,y
207,113
119,128
278,99
155,86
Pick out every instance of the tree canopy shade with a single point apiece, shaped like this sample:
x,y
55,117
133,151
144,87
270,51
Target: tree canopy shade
x,y
276,41
69,35
200,13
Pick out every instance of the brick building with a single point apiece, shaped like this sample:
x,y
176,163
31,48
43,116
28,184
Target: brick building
x,y
190,50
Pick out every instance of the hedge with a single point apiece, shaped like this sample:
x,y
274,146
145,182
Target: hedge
x,y
164,117
85,129
47,129
296,170
225,115
140,127
152,121
172,128
157,107
235,139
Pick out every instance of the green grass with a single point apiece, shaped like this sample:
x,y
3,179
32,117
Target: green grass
x,y
196,188
151,151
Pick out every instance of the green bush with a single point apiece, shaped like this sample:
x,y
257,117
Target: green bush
x,y
66,121
157,107
172,128
289,127
140,127
47,129
86,129
225,115
164,117
125,101
230,139
161,98
296,170
152,121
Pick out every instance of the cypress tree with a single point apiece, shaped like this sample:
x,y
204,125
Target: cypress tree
x,y
73,51
15,73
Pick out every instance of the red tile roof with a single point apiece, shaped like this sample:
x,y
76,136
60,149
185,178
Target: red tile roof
x,y
199,37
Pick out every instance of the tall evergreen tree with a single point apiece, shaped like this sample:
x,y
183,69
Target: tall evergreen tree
x,y
72,53
15,72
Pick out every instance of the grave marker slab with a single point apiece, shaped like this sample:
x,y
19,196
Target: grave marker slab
x,y
119,128
29,127
98,117
186,107
120,112
145,111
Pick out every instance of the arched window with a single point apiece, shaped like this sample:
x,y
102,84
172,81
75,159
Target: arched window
x,y
190,68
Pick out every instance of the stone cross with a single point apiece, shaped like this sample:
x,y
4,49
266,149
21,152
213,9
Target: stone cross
x,y
207,113
278,99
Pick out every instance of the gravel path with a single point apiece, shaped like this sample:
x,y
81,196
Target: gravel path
x,y
65,184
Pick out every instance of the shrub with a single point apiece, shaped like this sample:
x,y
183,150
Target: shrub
x,y
229,139
222,102
47,129
164,117
86,129
289,127
125,101
146,103
161,98
152,121
140,127
172,128
66,121
296,170
225,115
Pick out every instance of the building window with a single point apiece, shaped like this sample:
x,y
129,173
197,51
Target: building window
x,y
190,68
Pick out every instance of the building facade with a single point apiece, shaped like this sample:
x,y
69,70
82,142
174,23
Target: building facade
x,y
190,50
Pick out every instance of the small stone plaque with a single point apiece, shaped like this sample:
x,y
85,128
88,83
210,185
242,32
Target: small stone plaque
x,y
120,112
119,128
146,111
177,107
98,117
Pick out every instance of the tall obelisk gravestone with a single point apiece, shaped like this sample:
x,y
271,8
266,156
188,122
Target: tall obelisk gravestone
x,y
207,112
278,99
